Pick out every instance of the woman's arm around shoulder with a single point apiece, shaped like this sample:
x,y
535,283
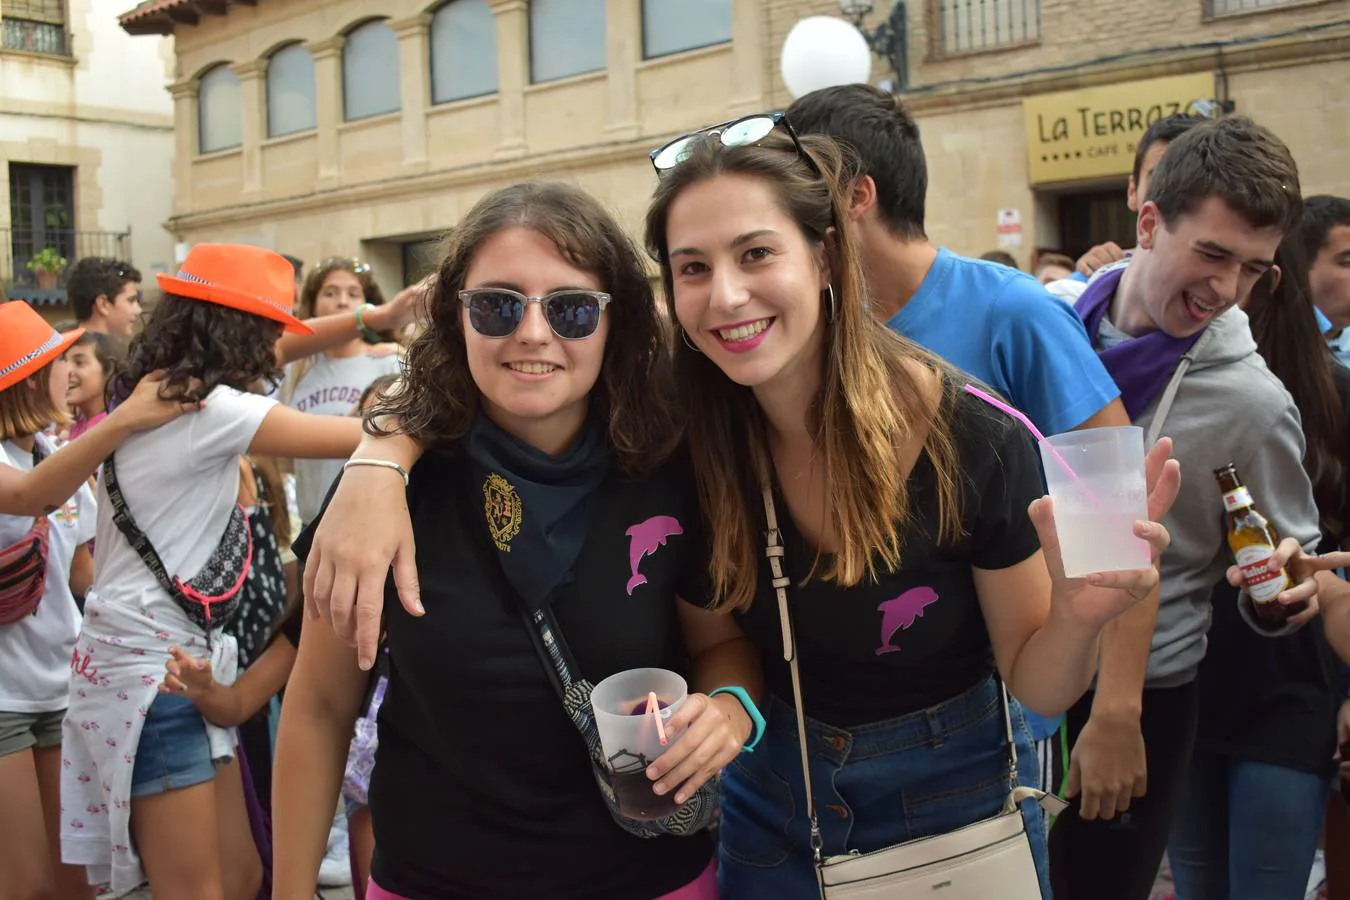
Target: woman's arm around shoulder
x,y
364,529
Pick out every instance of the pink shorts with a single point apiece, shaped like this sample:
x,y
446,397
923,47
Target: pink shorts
x,y
704,887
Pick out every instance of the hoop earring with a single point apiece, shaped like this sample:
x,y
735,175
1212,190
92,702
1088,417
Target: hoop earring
x,y
830,316
688,343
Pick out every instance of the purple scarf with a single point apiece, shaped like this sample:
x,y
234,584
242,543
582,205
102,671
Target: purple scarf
x,y
1140,366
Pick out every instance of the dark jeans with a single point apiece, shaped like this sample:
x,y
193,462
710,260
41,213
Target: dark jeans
x,y
1246,830
923,774
1118,858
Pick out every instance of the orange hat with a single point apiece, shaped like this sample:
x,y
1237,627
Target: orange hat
x,y
249,279
27,342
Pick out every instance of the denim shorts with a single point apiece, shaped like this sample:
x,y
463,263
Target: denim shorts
x,y
923,774
174,751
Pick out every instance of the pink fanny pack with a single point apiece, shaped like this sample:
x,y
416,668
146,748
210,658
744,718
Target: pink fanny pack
x,y
23,573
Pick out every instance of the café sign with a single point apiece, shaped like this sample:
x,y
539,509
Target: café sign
x,y
1093,133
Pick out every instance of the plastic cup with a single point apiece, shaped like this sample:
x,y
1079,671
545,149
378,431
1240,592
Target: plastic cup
x,y
629,737
1097,505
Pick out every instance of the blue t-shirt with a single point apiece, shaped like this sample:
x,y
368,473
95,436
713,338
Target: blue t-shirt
x,y
1001,326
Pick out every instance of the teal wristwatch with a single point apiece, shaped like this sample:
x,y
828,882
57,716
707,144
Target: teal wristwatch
x,y
750,709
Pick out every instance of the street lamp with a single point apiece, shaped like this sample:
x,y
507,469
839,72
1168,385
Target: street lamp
x,y
825,51
889,40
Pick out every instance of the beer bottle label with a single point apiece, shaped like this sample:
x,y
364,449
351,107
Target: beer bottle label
x,y
1237,499
1263,585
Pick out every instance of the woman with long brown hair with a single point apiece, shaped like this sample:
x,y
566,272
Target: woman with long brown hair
x,y
1266,741
897,494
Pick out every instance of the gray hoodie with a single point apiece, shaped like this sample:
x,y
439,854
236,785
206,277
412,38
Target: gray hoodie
x,y
1227,408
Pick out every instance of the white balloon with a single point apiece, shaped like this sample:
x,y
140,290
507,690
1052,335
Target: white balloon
x,y
824,51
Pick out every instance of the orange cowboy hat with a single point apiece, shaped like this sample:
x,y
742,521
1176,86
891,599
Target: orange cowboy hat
x,y
28,342
249,279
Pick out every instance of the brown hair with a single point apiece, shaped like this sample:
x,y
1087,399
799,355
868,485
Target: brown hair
x,y
870,399
437,399
26,406
200,346
1286,335
1243,164
1053,259
308,300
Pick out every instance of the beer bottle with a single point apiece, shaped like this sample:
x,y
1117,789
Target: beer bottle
x,y
1253,541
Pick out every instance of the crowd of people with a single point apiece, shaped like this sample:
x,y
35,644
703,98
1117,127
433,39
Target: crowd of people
x,y
284,564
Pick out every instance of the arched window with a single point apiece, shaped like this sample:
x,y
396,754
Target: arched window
x,y
370,71
463,51
290,91
219,123
567,37
674,27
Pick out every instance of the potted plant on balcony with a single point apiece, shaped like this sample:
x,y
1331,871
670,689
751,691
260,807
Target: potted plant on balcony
x,y
47,264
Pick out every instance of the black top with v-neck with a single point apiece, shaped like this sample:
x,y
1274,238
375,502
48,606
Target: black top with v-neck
x,y
917,636
482,785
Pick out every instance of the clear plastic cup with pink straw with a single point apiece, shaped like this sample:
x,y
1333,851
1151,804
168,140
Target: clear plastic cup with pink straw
x,y
1097,484
631,709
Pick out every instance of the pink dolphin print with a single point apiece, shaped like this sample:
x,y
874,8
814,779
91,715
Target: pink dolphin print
x,y
645,538
900,613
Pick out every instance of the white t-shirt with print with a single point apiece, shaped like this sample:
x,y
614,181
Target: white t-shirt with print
x,y
181,483
35,652
330,387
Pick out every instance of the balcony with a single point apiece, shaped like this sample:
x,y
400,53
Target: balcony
x,y
27,36
18,246
34,26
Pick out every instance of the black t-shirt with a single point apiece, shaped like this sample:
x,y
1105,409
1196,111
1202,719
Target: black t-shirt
x,y
917,636
482,785
1273,700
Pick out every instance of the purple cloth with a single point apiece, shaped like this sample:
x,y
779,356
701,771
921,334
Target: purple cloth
x,y
1140,366
258,824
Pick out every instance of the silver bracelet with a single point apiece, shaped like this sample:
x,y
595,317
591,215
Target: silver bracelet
x,y
381,463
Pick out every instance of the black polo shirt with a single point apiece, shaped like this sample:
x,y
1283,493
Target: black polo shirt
x,y
482,786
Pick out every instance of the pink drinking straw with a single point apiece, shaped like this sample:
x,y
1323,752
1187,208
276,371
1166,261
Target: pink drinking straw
x,y
654,708
1019,416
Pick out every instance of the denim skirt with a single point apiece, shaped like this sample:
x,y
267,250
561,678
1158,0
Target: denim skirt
x,y
923,774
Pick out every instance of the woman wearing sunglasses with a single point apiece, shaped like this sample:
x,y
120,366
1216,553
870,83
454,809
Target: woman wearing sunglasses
x,y
551,487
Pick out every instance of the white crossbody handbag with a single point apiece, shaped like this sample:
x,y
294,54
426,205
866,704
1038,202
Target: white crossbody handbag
x,y
989,858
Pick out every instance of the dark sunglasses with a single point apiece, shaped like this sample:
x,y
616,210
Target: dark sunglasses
x,y
497,312
735,133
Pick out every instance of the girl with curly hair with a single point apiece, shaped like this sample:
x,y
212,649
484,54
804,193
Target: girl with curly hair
x,y
174,550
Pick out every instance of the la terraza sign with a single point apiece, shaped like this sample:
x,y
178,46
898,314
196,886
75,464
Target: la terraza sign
x,y
1093,133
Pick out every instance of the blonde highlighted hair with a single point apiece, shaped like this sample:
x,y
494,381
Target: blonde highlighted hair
x,y
26,407
872,399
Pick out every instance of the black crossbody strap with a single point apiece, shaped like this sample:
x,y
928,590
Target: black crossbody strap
x,y
131,531
560,665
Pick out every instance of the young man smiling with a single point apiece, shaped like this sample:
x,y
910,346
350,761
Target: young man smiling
x,y
1166,326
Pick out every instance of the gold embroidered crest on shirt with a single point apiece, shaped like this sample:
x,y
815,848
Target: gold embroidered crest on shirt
x,y
501,506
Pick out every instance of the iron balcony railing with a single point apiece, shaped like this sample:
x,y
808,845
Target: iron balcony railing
x,y
970,26
18,246
33,37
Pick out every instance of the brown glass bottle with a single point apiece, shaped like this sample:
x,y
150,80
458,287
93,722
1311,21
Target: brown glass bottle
x,y
1253,541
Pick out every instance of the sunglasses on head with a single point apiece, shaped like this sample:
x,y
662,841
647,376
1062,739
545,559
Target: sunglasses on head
x,y
735,133
497,312
357,266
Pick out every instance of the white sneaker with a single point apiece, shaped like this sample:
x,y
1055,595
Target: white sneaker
x,y
336,868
